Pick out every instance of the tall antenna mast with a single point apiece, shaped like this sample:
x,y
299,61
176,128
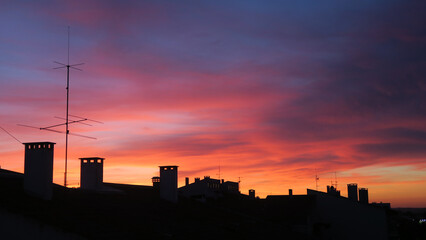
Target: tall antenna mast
x,y
67,120
68,66
218,174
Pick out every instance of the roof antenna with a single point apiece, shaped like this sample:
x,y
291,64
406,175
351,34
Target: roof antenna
x,y
68,66
316,180
77,119
335,180
10,134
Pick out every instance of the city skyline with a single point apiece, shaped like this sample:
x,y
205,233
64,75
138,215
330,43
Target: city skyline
x,y
274,94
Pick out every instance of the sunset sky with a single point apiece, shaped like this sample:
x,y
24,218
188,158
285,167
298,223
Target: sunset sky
x,y
273,92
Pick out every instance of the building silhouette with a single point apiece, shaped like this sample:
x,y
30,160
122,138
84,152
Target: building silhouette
x,y
343,218
320,215
38,169
208,187
91,173
381,205
202,188
133,211
333,191
230,187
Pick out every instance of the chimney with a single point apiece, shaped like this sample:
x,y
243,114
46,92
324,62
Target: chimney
x,y
168,183
91,173
38,169
353,192
363,195
156,183
186,181
290,192
252,193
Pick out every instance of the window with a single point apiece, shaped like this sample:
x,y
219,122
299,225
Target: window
x,y
92,161
84,161
99,161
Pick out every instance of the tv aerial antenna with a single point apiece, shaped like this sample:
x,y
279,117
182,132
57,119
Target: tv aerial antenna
x,y
334,183
316,180
68,121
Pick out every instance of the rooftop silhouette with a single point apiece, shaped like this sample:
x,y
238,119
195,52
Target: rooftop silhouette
x,y
204,209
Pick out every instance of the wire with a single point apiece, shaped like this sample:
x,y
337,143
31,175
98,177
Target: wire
x,y
10,135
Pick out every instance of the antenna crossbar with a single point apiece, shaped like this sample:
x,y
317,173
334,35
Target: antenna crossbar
x,y
75,122
68,66
61,124
86,119
57,131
